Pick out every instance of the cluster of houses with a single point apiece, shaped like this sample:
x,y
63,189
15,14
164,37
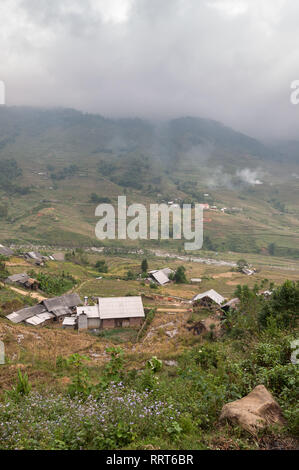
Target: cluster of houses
x,y
33,256
68,311
49,310
39,259
107,313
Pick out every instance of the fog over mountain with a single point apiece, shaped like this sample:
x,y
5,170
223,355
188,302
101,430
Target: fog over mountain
x,y
229,60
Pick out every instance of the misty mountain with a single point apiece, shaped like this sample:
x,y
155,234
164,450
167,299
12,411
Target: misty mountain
x,y
72,135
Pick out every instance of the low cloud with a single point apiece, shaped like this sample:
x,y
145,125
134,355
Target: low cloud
x,y
242,177
229,60
251,177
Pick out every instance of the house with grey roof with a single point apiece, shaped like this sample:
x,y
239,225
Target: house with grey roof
x,y
63,305
208,297
111,312
41,319
55,309
26,313
69,323
92,317
117,312
23,280
231,304
161,276
36,257
4,251
20,278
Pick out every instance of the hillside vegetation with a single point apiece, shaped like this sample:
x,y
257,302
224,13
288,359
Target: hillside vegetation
x,y
162,389
57,165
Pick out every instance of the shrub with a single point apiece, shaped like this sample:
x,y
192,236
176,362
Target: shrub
x,y
283,306
180,276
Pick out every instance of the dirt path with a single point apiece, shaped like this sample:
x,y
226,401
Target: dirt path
x,y
34,295
229,274
172,309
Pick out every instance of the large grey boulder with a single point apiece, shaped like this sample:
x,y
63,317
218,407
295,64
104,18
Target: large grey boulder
x,y
255,411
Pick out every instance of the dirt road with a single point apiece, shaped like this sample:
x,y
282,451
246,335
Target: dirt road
x,y
34,295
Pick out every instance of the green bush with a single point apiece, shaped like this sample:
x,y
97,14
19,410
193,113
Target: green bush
x,y
283,306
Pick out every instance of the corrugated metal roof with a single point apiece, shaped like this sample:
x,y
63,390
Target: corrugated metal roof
x,y
231,303
34,255
212,294
25,313
61,311
5,251
67,300
167,271
21,277
39,319
69,321
160,277
120,307
92,311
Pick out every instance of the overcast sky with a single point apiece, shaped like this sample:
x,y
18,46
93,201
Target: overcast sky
x,y
229,60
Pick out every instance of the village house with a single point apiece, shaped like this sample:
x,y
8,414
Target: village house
x,y
89,315
69,323
41,319
4,251
248,271
26,313
116,312
110,312
23,280
47,311
208,298
35,257
195,280
160,276
62,306
231,304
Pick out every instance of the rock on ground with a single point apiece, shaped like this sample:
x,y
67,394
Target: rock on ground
x,y
255,411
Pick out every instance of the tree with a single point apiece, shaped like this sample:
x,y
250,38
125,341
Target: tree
x,y
3,211
130,275
101,266
94,198
271,249
144,266
3,271
180,276
283,306
241,264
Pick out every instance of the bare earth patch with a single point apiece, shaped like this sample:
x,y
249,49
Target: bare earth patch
x,y
228,274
